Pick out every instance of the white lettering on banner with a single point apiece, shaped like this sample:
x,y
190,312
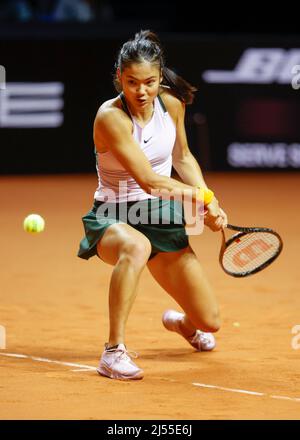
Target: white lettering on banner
x,y
262,155
2,78
296,79
31,105
258,66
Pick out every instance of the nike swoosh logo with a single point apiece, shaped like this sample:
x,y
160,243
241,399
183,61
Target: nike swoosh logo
x,y
147,140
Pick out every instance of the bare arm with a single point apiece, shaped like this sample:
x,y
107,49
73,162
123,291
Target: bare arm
x,y
184,162
190,172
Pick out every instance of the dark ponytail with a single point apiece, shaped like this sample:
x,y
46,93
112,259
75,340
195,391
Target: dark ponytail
x,y
180,87
146,46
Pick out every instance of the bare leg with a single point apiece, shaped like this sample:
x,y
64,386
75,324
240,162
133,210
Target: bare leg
x,y
128,250
122,292
181,275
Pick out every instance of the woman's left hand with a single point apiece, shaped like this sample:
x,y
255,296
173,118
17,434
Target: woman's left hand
x,y
215,218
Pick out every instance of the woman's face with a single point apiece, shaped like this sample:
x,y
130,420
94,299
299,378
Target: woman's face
x,y
140,83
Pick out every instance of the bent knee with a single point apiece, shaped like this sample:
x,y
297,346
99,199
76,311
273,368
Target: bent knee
x,y
119,243
210,324
137,252
212,327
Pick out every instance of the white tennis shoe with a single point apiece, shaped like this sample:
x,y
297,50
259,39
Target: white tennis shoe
x,y
116,363
201,341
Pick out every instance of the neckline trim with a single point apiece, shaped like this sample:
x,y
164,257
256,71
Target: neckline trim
x,y
127,111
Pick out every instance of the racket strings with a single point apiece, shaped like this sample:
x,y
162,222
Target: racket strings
x,y
250,251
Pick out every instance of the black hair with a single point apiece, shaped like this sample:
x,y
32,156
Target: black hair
x,y
146,46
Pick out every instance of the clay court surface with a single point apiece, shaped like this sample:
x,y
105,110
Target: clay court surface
x,y
54,308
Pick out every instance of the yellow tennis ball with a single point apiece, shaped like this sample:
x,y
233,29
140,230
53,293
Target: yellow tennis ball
x,y
34,223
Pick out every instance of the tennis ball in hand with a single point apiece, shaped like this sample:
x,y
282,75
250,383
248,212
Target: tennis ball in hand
x,y
34,223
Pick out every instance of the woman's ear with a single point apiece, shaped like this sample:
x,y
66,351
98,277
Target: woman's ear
x,y
161,76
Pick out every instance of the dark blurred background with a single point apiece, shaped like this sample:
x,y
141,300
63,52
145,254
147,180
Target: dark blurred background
x,y
56,65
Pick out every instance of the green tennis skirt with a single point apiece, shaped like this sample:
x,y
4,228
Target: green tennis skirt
x,y
161,221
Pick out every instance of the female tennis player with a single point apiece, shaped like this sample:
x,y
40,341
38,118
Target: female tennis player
x,y
139,135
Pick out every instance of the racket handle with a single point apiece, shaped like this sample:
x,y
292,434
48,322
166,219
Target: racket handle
x,y
233,227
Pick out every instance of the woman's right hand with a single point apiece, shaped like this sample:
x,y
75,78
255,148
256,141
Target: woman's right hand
x,y
215,218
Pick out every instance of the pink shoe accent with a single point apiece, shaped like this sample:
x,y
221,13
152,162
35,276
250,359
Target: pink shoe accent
x,y
117,364
200,341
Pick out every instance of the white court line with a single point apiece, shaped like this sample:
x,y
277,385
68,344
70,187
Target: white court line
x,y
82,367
253,393
286,398
50,361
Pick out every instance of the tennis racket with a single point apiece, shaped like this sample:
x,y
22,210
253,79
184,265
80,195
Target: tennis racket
x,y
249,251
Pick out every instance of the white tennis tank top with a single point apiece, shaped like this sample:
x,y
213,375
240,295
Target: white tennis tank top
x,y
156,140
